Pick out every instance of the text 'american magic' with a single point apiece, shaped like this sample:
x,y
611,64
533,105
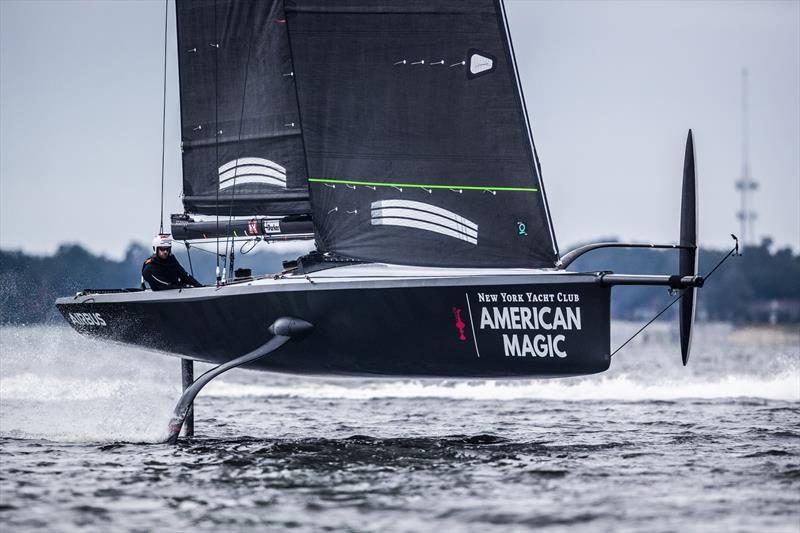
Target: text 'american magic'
x,y
544,318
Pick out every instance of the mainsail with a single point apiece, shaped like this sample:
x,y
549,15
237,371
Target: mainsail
x,y
417,145
240,125
403,119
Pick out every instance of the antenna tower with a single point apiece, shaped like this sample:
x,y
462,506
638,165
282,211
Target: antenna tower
x,y
746,185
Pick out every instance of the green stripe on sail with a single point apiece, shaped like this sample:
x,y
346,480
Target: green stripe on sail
x,y
423,186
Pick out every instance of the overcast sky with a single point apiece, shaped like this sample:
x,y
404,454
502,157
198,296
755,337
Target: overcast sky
x,y
611,87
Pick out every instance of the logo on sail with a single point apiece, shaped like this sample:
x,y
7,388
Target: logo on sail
x,y
422,216
480,63
251,170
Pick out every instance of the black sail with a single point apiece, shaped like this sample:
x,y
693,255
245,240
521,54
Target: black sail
x,y
235,63
417,144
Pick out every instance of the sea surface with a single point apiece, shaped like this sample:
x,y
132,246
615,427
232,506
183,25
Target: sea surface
x,y
648,446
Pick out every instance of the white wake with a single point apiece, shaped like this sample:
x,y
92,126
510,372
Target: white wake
x,y
57,385
784,387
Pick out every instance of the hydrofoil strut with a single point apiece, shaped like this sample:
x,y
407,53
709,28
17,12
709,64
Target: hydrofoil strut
x,y
283,330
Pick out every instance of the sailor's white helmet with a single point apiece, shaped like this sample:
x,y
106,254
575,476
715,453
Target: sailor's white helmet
x,y
162,240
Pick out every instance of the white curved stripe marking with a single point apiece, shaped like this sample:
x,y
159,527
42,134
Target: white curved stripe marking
x,y
250,170
251,161
418,224
240,180
399,212
425,207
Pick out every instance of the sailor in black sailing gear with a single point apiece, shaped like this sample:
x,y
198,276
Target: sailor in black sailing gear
x,y
162,270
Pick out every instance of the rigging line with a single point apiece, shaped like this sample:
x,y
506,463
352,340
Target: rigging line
x,y
529,129
203,250
163,118
216,128
189,255
423,185
238,143
245,243
735,249
648,323
318,237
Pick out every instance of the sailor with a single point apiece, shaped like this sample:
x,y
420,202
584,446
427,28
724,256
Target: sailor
x,y
162,270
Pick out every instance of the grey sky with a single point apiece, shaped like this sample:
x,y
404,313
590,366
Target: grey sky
x,y
611,87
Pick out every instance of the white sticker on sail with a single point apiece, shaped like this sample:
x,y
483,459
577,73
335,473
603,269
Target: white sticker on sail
x,y
479,63
250,170
417,224
421,206
241,180
410,214
422,216
251,161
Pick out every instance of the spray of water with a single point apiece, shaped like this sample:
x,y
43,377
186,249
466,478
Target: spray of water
x,y
57,385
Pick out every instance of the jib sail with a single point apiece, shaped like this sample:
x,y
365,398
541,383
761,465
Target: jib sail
x,y
240,124
418,149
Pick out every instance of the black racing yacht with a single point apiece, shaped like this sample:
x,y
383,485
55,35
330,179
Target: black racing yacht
x,y
395,134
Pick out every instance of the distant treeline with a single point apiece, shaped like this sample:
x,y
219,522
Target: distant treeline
x,y
759,286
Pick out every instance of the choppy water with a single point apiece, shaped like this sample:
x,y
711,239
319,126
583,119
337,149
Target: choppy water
x,y
647,446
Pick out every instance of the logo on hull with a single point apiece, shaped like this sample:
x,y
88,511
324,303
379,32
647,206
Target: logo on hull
x,y
87,319
459,323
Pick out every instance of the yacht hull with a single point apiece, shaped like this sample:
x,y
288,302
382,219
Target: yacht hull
x,y
549,325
